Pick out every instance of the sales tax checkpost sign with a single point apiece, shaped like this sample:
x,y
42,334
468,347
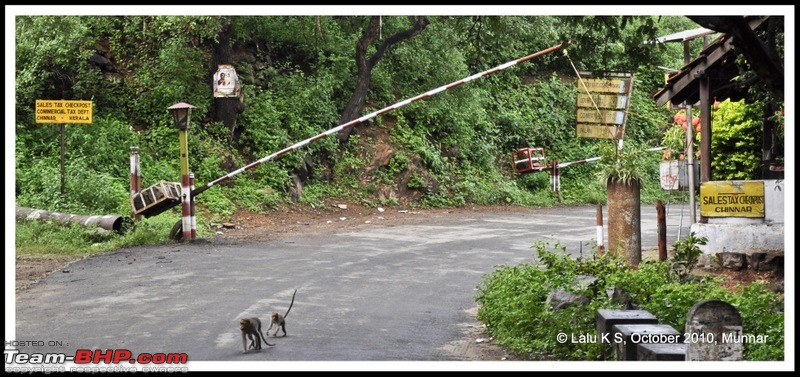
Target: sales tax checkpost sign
x,y
63,111
732,199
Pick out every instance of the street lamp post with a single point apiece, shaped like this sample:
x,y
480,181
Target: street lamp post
x,y
180,113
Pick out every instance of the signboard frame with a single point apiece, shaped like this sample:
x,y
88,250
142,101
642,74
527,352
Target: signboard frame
x,y
63,111
732,199
226,82
602,104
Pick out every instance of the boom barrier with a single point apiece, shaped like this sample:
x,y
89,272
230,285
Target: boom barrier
x,y
354,122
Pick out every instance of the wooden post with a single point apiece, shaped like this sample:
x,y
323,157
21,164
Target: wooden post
x,y
63,153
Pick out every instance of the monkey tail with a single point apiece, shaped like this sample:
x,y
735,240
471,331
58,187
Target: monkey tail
x,y
290,305
263,339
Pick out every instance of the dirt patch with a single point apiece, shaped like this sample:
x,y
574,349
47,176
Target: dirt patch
x,y
477,343
333,216
732,280
30,270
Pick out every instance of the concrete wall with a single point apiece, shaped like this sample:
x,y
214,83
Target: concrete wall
x,y
748,235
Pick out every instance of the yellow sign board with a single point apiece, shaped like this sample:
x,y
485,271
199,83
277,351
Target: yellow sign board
x,y
601,116
603,101
602,105
604,85
593,131
63,111
732,199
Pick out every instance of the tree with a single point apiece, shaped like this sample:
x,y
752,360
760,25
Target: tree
x,y
226,109
365,64
612,43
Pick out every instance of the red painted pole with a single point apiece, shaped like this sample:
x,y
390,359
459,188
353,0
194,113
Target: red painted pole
x,y
662,231
600,242
136,176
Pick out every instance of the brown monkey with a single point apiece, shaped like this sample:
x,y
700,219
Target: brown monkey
x,y
251,328
278,320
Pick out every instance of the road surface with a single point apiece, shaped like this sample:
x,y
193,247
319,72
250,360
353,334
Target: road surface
x,y
376,292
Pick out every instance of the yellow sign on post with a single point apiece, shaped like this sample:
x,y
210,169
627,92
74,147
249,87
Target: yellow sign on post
x,y
603,101
600,116
599,131
732,199
63,111
607,85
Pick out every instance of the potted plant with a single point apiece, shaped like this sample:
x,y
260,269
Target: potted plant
x,y
621,171
672,169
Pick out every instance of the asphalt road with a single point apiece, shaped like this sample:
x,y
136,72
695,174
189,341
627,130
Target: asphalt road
x,y
373,293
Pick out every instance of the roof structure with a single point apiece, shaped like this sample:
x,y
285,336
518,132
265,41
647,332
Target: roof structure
x,y
717,61
685,35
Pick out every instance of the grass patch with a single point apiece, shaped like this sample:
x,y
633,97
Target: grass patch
x,y
40,239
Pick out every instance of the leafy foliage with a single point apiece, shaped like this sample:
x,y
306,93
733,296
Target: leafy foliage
x,y
298,73
737,134
625,165
687,253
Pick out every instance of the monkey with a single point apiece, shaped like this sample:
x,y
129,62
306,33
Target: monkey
x,y
251,328
244,326
278,320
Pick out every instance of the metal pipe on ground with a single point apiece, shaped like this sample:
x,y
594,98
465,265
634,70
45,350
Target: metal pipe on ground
x,y
116,223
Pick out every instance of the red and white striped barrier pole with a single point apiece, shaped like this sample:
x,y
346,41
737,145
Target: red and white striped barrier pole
x,y
186,207
136,176
376,113
192,217
565,164
600,242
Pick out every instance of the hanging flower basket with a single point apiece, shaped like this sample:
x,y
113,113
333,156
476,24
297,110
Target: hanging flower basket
x,y
674,174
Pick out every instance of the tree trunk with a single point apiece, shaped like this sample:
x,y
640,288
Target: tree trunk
x,y
226,110
624,220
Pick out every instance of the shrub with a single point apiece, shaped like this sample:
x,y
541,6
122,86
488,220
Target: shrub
x,y
513,303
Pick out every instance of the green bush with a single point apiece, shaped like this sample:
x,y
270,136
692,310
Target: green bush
x,y
736,141
513,303
687,253
513,306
